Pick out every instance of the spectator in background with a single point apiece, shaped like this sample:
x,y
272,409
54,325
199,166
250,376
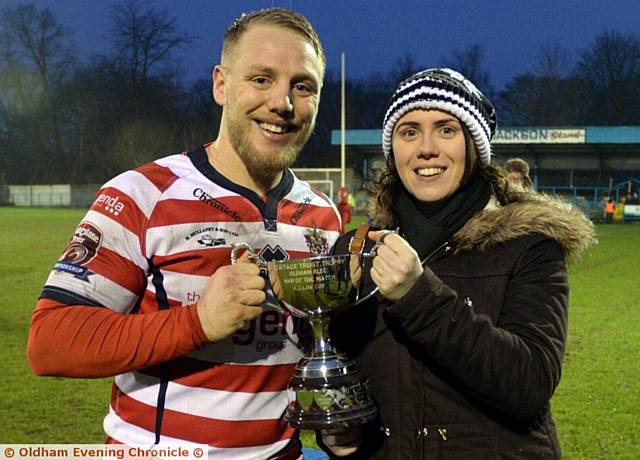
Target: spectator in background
x,y
518,173
609,211
344,206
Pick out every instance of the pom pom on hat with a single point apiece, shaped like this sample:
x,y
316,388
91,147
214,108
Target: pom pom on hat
x,y
449,91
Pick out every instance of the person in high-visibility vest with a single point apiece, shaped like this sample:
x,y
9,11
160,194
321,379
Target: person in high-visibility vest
x,y
609,209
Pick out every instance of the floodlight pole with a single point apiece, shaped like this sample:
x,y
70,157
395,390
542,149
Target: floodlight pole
x,y
342,124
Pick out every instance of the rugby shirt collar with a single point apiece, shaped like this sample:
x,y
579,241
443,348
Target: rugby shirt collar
x,y
268,210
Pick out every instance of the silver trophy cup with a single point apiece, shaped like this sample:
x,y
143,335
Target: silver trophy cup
x,y
327,390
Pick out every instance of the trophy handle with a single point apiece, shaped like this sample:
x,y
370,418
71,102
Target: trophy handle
x,y
372,253
359,299
271,300
235,247
380,242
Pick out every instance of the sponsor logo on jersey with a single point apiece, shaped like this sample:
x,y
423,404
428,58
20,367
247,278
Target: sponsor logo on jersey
x,y
216,204
271,331
82,249
193,296
111,204
209,241
269,253
316,243
302,208
209,236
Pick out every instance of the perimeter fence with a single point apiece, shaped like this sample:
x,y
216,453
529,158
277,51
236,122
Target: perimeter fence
x,y
590,199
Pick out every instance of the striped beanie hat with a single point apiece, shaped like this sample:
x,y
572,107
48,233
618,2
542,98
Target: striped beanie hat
x,y
449,91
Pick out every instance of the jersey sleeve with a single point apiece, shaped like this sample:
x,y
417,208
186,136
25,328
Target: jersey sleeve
x,y
85,341
104,263
81,326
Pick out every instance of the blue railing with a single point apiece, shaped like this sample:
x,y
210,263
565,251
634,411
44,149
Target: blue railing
x,y
591,199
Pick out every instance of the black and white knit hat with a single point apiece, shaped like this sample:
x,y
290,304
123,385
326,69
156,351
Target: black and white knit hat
x,y
449,91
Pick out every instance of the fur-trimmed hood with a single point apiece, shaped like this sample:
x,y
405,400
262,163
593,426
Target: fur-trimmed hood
x,y
529,213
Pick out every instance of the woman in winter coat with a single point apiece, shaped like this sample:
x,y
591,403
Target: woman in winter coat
x,y
463,343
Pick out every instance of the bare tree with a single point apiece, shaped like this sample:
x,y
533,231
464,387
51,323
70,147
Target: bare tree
x,y
518,101
35,57
469,62
530,100
143,37
137,143
610,71
35,39
557,89
553,61
402,68
550,96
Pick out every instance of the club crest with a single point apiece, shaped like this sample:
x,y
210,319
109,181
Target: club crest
x,y
316,243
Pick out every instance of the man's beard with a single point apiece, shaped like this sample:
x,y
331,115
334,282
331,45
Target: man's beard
x,y
261,167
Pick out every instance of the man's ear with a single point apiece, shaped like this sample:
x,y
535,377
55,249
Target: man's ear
x,y
218,84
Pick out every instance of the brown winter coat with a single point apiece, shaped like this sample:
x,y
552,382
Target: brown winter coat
x,y
464,366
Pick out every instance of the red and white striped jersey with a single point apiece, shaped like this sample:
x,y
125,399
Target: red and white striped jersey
x,y
150,240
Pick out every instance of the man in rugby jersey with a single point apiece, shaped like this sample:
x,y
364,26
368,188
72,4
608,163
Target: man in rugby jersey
x,y
145,291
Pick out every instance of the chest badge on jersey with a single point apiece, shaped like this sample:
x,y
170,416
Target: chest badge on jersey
x,y
81,250
316,243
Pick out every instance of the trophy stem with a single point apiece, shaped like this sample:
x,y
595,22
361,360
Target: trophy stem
x,y
322,345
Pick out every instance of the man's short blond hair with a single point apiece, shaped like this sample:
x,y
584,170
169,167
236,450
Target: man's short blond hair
x,y
279,17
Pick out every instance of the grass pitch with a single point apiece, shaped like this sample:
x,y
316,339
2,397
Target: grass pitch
x,y
595,407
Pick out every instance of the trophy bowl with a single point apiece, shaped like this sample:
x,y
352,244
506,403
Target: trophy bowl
x,y
327,390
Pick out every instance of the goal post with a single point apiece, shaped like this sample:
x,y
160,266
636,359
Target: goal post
x,y
327,180
325,186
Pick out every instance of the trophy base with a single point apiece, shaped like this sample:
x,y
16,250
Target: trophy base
x,y
337,402
303,420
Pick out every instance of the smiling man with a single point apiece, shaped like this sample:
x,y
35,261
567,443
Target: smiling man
x,y
145,291
269,86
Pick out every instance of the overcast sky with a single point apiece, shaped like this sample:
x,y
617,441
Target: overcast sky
x,y
374,34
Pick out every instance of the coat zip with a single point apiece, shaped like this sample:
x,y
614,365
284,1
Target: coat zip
x,y
429,256
424,432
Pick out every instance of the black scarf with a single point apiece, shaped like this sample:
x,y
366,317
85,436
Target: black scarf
x,y
426,229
